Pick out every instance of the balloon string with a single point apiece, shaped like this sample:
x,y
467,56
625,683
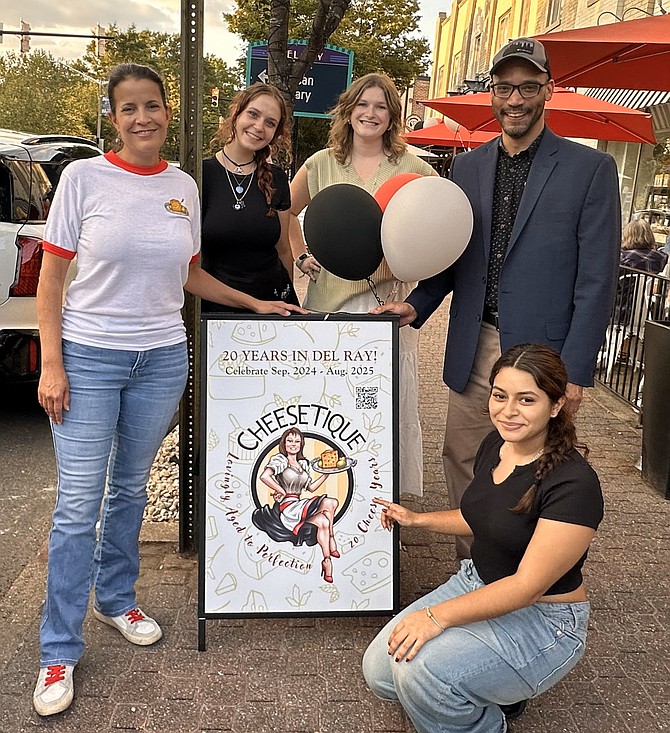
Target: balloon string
x,y
373,288
394,291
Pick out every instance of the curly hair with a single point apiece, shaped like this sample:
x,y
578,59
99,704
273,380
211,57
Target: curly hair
x,y
340,138
549,372
638,234
277,151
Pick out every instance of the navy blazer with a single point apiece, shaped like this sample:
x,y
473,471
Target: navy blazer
x,y
558,279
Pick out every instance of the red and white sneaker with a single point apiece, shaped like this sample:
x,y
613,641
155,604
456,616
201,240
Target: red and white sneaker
x,y
54,689
134,625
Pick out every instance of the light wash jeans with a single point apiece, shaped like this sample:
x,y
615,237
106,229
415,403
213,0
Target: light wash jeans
x,y
121,404
458,679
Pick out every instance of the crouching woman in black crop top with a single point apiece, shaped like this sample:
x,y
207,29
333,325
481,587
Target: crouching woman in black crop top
x,y
512,622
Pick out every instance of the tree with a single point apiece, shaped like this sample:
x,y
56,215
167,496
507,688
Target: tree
x,y
381,33
284,73
39,94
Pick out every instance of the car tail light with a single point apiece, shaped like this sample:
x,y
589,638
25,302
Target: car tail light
x,y
30,252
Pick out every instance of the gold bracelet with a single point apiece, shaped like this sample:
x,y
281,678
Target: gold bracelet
x,y
429,613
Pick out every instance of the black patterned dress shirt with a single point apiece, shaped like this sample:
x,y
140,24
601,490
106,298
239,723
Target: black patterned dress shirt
x,y
511,176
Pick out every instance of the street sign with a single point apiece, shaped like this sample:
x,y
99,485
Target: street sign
x,y
322,83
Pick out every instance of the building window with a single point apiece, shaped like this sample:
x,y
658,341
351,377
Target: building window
x,y
525,17
502,31
554,12
475,51
440,90
455,72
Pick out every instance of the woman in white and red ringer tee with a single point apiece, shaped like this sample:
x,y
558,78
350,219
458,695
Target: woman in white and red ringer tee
x,y
114,365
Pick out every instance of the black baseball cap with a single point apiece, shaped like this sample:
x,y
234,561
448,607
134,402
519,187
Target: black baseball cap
x,y
522,48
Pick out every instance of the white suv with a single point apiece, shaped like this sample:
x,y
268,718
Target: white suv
x,y
30,168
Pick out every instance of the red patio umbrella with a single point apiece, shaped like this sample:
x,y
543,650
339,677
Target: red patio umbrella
x,y
440,134
567,113
632,54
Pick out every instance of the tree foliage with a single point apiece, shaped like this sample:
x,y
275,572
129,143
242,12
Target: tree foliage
x,y
383,34
40,94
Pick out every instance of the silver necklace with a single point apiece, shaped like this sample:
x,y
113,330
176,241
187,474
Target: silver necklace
x,y
239,188
503,449
239,192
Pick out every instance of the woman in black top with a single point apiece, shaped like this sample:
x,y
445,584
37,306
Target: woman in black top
x,y
512,621
245,200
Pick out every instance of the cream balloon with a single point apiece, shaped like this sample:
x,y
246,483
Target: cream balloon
x,y
425,228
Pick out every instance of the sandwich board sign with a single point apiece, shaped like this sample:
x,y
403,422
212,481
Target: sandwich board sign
x,y
299,436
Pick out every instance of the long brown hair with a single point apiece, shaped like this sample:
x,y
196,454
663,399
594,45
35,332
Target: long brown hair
x,y
278,150
340,138
549,372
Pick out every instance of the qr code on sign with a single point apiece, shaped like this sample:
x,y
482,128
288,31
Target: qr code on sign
x,y
366,398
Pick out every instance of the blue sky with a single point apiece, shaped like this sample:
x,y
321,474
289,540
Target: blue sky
x,y
79,16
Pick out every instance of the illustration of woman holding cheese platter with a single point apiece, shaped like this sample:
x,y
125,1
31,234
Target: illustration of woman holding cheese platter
x,y
293,518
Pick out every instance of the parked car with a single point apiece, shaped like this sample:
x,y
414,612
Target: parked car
x,y
30,168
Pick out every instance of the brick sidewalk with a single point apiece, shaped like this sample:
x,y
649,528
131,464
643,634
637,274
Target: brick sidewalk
x,y
303,675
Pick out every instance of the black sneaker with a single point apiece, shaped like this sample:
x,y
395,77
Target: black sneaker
x,y
513,711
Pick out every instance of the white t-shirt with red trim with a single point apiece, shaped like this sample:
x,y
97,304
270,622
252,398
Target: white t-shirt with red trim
x,y
134,231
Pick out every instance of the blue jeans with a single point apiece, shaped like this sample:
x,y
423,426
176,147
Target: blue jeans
x,y
121,404
458,679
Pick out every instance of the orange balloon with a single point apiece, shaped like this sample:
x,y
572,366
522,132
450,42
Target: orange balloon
x,y
388,188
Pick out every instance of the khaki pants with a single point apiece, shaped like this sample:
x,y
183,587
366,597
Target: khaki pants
x,y
468,424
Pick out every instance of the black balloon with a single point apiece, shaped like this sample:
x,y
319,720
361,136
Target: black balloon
x,y
343,231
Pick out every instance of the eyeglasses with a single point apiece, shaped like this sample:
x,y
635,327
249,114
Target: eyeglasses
x,y
527,90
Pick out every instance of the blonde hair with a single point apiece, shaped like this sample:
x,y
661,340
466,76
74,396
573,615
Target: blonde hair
x,y
638,234
340,138
278,150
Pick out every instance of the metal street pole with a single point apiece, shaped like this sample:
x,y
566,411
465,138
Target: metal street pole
x,y
190,158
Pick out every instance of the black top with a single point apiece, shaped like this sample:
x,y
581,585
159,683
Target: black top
x,y
239,247
570,493
511,176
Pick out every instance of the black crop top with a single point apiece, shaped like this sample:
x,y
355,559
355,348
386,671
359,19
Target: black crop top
x,y
570,493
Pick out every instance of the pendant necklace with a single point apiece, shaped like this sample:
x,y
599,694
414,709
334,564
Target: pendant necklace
x,y
239,188
239,192
238,166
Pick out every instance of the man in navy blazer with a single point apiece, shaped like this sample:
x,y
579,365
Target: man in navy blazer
x,y
542,261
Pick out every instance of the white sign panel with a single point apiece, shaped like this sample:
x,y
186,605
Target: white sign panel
x,y
299,435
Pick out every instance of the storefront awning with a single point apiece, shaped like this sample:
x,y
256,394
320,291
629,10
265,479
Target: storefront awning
x,y
633,98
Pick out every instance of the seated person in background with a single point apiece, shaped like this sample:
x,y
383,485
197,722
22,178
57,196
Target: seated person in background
x,y
638,248
512,621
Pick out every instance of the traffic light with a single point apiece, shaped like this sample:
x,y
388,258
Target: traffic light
x,y
215,96
100,42
25,40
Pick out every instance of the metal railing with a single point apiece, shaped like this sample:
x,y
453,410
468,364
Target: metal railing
x,y
640,297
